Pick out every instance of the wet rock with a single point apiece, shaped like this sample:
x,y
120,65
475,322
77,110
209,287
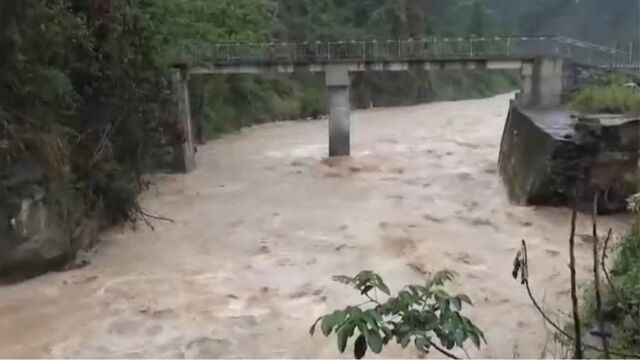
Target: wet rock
x,y
547,154
34,238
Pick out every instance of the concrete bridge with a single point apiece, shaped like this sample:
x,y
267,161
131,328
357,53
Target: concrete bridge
x,y
542,62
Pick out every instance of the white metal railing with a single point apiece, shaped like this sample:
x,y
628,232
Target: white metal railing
x,y
432,48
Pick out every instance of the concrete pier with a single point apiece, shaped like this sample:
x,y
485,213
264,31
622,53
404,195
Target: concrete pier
x,y
185,159
339,84
542,83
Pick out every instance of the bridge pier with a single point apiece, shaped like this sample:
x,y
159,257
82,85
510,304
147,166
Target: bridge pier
x,y
542,83
184,149
339,85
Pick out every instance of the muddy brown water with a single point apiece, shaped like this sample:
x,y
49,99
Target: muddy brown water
x,y
264,223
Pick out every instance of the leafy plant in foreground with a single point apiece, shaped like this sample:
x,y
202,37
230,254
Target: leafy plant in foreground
x,y
423,314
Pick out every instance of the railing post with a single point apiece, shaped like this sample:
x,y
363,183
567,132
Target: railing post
x,y
294,52
435,47
471,47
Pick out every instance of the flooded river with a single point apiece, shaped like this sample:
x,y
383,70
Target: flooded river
x,y
264,223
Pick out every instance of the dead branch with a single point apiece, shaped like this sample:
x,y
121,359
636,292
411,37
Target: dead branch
x,y
443,351
596,278
156,217
577,351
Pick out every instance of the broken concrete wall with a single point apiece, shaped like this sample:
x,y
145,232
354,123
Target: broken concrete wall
x,y
548,157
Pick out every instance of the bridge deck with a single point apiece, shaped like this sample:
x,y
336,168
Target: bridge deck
x,y
431,53
257,67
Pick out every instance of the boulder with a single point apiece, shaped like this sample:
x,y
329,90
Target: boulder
x,y
34,236
33,239
549,156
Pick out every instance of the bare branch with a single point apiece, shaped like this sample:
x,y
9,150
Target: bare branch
x,y
443,351
577,351
156,217
596,278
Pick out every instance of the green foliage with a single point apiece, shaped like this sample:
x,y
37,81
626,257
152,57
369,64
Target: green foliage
x,y
420,314
626,268
614,98
80,104
182,23
621,297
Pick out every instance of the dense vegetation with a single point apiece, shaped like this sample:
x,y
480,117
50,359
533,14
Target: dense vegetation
x,y
618,96
620,294
80,98
614,98
604,22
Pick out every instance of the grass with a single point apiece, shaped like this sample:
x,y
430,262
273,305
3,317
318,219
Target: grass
x,y
612,99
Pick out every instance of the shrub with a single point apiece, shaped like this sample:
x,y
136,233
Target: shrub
x,y
423,314
614,98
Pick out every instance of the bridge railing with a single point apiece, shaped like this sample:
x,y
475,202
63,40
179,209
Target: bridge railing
x,y
399,50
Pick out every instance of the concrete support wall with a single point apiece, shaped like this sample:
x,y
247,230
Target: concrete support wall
x,y
542,83
339,83
185,160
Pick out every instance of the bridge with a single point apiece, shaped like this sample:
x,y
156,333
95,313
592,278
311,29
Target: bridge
x,y
541,60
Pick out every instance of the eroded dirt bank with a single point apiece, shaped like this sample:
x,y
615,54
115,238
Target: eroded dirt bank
x,y
264,223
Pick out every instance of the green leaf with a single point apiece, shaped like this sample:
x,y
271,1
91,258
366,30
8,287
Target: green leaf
x,y
376,316
405,341
327,324
430,321
406,296
346,280
465,298
375,341
339,317
441,277
475,339
457,303
312,330
382,286
440,294
360,348
370,319
448,343
343,336
459,337
362,326
366,289
422,344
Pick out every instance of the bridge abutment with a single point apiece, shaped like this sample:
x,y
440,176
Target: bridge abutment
x,y
339,85
542,83
184,149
